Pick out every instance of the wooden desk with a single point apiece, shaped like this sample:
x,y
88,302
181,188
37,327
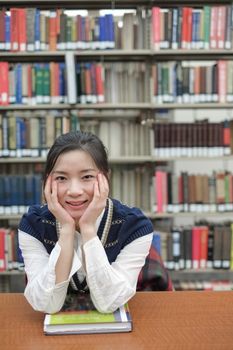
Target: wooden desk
x,y
165,320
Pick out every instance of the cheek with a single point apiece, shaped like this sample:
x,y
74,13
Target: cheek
x,y
89,188
61,189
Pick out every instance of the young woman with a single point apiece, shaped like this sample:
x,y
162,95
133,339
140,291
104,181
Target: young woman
x,y
81,240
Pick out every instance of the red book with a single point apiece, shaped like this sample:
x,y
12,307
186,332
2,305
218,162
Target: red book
x,y
221,24
203,246
226,137
161,190
2,250
156,28
189,27
22,29
99,70
14,29
52,81
53,31
213,27
4,83
222,81
184,28
79,30
196,244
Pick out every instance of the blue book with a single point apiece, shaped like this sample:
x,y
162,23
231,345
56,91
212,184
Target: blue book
x,y
102,35
110,31
20,135
7,194
21,189
156,242
37,188
14,193
2,194
62,82
29,190
37,29
7,32
18,90
195,29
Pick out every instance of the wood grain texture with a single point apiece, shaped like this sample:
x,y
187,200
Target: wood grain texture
x,y
161,320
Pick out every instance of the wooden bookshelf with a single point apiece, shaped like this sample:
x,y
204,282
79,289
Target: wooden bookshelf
x,y
149,56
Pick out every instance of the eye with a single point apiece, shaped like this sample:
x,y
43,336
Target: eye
x,y
88,177
60,178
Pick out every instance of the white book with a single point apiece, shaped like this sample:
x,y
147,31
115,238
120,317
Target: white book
x,y
71,77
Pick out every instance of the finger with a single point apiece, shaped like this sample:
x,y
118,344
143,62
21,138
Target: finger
x,y
103,185
96,188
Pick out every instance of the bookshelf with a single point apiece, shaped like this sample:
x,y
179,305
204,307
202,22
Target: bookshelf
x,y
146,112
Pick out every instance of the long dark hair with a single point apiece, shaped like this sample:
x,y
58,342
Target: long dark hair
x,y
77,140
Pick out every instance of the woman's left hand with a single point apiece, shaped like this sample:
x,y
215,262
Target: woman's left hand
x,y
88,219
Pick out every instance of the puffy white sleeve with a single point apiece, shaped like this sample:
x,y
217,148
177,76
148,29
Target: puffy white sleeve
x,y
41,291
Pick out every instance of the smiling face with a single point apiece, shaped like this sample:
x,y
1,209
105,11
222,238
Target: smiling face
x,y
75,173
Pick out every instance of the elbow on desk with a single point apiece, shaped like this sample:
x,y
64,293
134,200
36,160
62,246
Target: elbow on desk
x,y
49,308
106,308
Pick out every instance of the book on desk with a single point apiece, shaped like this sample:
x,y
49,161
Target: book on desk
x,y
79,316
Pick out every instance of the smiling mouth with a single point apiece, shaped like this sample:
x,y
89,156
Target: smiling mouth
x,y
76,204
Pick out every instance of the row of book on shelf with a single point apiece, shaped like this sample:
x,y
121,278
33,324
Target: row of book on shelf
x,y
31,29
187,192
32,133
116,82
183,27
153,190
199,138
199,247
10,254
187,27
73,82
192,81
26,134
215,285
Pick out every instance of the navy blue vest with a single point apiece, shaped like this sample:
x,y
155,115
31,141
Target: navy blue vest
x,y
126,225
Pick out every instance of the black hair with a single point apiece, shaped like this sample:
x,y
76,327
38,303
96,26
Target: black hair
x,y
77,140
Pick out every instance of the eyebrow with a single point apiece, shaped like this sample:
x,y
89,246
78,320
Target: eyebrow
x,y
65,173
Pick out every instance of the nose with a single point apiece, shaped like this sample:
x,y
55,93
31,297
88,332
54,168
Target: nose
x,y
75,188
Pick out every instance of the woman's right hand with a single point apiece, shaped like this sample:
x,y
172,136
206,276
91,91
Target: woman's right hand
x,y
50,193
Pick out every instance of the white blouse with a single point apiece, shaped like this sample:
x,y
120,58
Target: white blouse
x,y
110,285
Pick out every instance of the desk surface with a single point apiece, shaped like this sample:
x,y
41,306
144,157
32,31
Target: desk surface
x,y
161,320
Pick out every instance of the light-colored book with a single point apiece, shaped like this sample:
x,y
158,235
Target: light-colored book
x,y
79,316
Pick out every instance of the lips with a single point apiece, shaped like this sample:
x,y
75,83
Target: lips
x,y
76,204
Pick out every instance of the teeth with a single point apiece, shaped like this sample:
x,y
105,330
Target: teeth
x,y
76,204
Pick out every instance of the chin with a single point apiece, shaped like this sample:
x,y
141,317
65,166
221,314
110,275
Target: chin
x,y
76,216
